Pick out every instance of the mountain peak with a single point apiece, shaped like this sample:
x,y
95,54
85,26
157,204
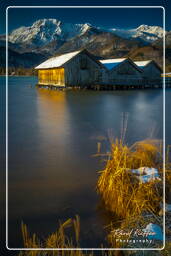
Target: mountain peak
x,y
143,26
42,22
144,33
152,33
147,28
47,31
44,31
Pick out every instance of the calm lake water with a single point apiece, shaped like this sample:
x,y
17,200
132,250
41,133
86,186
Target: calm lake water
x,y
52,139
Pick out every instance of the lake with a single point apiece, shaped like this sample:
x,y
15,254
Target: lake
x,y
52,139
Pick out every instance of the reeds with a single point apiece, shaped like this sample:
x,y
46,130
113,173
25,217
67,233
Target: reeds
x,y
122,194
120,190
60,240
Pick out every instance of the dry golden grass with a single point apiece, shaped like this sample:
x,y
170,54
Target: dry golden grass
x,y
121,193
58,239
119,188
136,204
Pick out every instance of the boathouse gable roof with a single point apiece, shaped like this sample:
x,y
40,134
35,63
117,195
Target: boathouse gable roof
x,y
144,64
111,64
60,61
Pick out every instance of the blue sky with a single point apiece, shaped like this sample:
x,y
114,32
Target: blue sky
x,y
107,17
120,18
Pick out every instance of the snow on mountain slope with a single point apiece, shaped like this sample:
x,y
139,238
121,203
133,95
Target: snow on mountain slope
x,y
48,37
144,32
45,31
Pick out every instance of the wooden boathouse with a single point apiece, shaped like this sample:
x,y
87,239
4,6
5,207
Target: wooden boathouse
x,y
75,69
122,72
151,73
81,69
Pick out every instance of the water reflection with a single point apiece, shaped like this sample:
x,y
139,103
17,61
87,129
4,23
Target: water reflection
x,y
53,178
52,137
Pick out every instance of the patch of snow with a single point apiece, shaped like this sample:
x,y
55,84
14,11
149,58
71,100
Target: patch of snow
x,y
154,30
156,230
111,63
44,31
143,32
58,61
142,63
146,174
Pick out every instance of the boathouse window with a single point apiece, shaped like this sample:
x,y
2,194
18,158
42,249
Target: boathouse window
x,y
83,63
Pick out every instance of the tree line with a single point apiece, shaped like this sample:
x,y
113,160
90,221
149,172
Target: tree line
x,y
20,71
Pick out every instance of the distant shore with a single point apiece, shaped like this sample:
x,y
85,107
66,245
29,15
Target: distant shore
x,y
17,75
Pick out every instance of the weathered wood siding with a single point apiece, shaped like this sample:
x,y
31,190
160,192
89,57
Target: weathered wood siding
x,y
151,71
55,76
124,74
82,71
151,75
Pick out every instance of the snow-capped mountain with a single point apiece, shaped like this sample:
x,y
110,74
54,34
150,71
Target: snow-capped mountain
x,y
45,31
49,37
144,32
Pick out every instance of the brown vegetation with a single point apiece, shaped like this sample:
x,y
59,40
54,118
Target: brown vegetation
x,y
121,192
135,203
58,239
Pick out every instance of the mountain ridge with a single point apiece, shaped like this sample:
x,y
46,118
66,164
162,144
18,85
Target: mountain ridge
x,y
51,37
40,30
